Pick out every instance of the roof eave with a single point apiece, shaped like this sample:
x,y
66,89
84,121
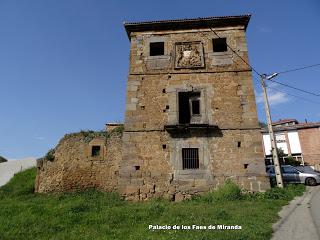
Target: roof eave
x,y
188,23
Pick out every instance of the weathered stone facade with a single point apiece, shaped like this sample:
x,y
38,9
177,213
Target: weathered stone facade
x,y
73,167
225,131
190,122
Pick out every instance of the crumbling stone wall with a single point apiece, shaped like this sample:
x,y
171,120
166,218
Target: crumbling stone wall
x,y
73,166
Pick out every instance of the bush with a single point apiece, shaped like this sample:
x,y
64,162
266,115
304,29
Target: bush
x,y
50,155
276,193
291,161
227,192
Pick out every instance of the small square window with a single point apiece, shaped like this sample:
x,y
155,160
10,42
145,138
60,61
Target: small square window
x,y
219,45
95,151
190,158
156,48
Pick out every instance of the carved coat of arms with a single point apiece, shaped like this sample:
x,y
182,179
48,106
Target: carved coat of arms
x,y
189,55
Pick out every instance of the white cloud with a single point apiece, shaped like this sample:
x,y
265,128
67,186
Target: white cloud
x,y
274,97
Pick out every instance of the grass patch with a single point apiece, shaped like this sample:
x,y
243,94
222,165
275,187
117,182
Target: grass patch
x,y
95,215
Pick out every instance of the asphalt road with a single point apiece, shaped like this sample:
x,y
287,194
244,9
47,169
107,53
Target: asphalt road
x,y
301,218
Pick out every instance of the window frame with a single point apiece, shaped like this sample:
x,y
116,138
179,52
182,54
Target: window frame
x,y
190,158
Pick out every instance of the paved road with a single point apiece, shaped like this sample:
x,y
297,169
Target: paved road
x,y
8,169
300,220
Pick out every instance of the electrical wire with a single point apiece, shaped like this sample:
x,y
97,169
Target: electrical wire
x,y
290,94
300,68
301,98
282,72
237,53
298,89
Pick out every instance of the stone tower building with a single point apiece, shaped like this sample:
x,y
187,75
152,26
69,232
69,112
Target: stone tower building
x,y
191,119
190,122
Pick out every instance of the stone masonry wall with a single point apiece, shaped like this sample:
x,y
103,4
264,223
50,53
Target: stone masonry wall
x,y
147,161
151,164
74,168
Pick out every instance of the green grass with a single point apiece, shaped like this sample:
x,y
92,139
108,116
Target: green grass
x,y
95,215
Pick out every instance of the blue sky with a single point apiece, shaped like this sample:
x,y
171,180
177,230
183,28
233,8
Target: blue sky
x,y
64,63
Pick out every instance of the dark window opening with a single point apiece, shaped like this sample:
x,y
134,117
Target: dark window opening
x,y
167,106
156,48
190,158
137,167
195,105
239,144
219,45
95,151
164,146
164,90
245,165
189,105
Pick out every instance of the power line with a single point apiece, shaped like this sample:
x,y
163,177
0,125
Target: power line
x,y
298,89
300,68
301,98
236,53
283,84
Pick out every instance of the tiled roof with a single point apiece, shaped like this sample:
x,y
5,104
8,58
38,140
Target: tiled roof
x,y
293,127
187,23
286,120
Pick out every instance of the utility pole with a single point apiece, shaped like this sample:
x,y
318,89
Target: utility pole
x,y
274,150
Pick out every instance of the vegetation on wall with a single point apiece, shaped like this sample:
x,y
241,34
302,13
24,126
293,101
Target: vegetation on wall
x,y
50,155
89,135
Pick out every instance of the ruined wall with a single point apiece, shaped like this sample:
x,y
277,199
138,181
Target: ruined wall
x,y
74,167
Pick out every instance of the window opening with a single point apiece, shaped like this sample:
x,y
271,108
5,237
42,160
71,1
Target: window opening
x,y
156,48
95,151
189,106
190,158
219,45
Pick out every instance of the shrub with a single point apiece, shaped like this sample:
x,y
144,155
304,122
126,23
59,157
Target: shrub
x,y
227,192
291,161
50,155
